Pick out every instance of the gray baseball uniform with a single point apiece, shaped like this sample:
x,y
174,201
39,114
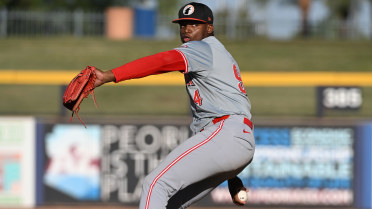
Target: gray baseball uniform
x,y
223,144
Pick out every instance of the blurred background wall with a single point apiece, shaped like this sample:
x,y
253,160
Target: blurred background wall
x,y
235,19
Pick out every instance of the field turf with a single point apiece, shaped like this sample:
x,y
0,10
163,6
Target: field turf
x,y
68,53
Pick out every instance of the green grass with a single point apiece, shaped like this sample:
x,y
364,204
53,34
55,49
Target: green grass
x,y
160,100
66,53
26,99
303,55
252,55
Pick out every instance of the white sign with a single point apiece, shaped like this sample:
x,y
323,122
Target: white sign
x,y
17,161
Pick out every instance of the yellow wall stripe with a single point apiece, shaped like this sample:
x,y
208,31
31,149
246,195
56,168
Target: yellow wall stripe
x,y
62,77
307,78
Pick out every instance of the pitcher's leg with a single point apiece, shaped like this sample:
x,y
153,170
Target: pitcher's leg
x,y
200,159
186,164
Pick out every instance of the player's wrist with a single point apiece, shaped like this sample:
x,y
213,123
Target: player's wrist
x,y
108,76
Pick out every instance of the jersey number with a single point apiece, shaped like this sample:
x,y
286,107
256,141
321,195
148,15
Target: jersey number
x,y
237,76
197,99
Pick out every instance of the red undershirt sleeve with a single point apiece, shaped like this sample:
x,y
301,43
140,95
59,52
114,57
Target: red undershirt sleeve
x,y
162,62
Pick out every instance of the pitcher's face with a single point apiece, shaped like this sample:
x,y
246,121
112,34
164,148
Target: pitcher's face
x,y
194,30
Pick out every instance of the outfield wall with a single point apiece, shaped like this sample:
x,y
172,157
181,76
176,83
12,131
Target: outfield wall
x,y
296,164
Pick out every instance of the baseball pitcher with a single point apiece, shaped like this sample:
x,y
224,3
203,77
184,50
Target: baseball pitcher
x,y
223,142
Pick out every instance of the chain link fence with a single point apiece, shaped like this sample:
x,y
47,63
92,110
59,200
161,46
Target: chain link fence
x,y
81,24
36,23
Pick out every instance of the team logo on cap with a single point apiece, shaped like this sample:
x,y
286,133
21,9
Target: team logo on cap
x,y
188,10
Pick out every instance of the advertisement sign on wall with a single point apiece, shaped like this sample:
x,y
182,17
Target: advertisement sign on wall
x,y
103,163
17,161
299,166
72,164
130,152
108,163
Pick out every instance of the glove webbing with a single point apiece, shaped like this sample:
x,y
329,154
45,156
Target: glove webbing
x,y
78,108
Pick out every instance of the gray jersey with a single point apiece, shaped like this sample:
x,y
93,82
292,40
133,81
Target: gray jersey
x,y
213,82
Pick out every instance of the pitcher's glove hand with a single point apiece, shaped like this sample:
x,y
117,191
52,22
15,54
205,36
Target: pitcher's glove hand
x,y
78,89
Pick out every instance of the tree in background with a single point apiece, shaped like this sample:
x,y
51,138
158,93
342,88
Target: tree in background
x,y
304,6
22,4
343,12
339,8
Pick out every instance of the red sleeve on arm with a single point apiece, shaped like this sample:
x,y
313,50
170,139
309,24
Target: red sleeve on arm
x,y
162,62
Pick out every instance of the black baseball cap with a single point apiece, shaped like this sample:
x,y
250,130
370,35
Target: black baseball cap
x,y
195,11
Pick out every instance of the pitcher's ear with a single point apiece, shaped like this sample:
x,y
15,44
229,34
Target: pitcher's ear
x,y
210,29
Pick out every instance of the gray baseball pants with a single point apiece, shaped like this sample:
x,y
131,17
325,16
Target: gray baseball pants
x,y
197,166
